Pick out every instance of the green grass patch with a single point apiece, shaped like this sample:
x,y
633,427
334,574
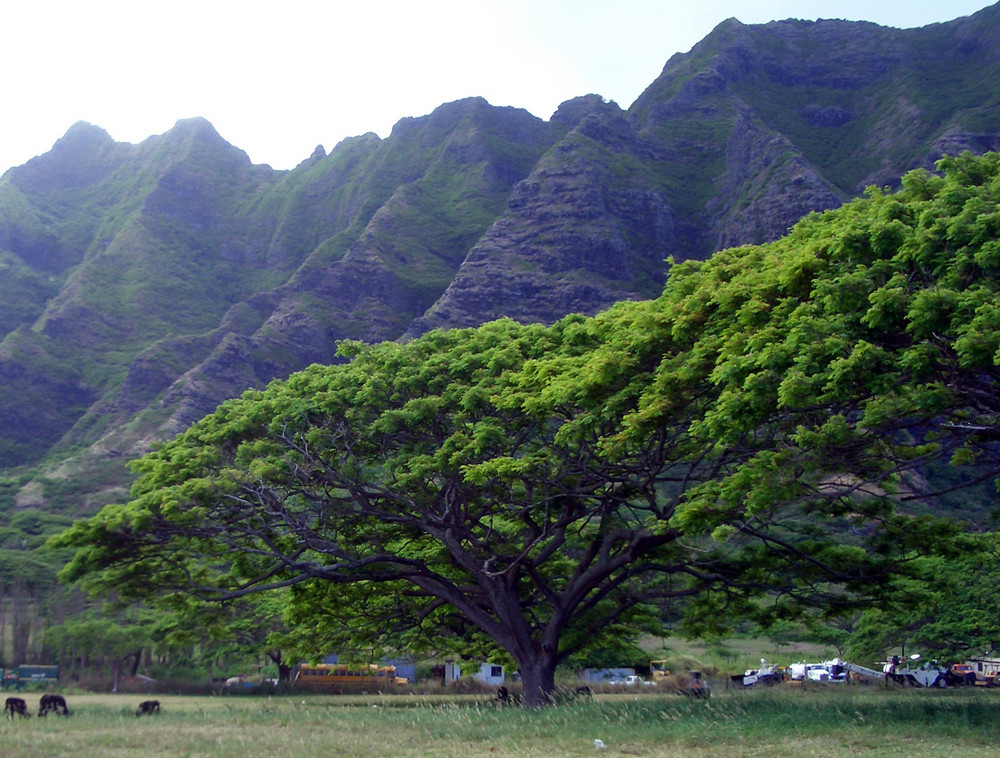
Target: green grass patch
x,y
828,722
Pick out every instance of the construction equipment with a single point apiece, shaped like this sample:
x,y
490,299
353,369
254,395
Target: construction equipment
x,y
981,672
658,671
927,674
863,671
766,674
698,687
962,674
831,671
899,670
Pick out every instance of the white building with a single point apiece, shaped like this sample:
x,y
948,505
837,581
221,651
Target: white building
x,y
489,674
987,667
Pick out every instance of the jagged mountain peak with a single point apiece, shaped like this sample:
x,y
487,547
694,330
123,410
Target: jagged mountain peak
x,y
572,112
194,139
82,136
475,112
84,155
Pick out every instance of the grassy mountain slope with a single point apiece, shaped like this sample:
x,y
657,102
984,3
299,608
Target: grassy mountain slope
x,y
143,284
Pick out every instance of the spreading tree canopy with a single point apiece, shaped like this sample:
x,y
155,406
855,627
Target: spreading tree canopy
x,y
947,610
744,441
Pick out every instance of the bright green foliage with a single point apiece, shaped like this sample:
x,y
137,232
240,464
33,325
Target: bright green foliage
x,y
27,569
746,436
115,642
99,637
861,345
948,611
403,476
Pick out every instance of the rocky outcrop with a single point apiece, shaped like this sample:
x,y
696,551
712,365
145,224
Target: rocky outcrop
x,y
767,186
574,238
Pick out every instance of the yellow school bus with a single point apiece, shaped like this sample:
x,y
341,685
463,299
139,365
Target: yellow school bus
x,y
339,676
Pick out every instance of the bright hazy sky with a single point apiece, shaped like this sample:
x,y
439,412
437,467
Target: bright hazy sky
x,y
278,78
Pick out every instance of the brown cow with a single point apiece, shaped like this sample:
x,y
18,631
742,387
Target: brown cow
x,y
18,706
55,703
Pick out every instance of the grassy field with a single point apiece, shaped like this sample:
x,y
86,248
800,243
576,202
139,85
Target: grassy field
x,y
827,722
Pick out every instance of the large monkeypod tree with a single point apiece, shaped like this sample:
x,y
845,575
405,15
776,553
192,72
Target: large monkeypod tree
x,y
740,445
420,495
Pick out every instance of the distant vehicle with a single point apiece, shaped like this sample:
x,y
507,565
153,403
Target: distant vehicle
x,y
908,671
633,680
986,671
246,683
698,688
18,678
962,674
338,676
832,671
659,671
766,674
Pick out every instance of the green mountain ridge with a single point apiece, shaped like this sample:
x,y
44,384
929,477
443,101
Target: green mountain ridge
x,y
144,284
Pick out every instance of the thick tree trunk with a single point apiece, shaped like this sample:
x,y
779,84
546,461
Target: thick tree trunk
x,y
284,673
284,670
538,680
136,660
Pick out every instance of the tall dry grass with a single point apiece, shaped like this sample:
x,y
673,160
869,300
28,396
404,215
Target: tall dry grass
x,y
779,722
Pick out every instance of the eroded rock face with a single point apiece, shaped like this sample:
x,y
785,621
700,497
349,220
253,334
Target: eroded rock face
x,y
767,186
141,285
574,239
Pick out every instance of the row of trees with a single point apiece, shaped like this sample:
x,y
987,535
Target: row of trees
x,y
45,622
745,446
27,585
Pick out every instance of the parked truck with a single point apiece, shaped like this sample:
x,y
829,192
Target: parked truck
x,y
981,672
832,671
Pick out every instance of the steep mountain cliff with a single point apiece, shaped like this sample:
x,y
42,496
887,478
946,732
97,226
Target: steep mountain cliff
x,y
141,285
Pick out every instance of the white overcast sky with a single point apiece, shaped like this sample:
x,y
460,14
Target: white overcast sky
x,y
278,78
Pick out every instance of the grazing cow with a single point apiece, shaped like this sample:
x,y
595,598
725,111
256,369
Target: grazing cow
x,y
16,705
55,703
148,707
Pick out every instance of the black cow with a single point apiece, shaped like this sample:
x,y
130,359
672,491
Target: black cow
x,y
148,707
16,705
54,703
